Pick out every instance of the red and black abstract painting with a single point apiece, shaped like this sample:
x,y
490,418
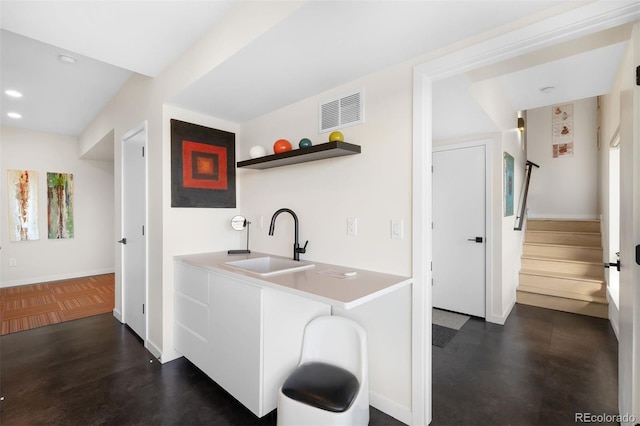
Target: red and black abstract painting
x,y
203,166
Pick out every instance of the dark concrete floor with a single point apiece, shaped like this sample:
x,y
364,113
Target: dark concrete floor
x,y
540,368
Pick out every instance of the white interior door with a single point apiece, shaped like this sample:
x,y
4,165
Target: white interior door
x,y
629,334
459,209
612,274
134,216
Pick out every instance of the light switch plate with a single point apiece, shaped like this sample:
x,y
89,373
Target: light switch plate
x,y
352,226
396,229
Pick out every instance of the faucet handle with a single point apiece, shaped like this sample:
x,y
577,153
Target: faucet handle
x,y
303,249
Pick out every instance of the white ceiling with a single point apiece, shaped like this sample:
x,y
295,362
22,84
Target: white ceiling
x,y
322,45
327,43
140,36
110,39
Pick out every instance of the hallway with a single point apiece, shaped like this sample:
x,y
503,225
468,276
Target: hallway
x,y
539,368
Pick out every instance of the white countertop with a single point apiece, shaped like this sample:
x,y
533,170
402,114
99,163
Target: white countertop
x,y
313,283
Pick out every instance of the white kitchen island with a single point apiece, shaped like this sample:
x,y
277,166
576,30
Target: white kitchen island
x,y
245,330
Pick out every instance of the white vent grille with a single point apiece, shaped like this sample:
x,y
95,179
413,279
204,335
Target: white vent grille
x,y
341,112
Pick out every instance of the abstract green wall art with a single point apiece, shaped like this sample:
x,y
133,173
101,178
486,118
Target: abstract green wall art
x,y
60,205
508,185
23,205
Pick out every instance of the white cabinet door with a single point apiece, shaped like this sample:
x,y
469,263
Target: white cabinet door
x,y
191,325
284,320
235,338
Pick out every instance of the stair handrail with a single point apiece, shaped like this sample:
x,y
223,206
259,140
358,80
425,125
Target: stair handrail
x,y
523,205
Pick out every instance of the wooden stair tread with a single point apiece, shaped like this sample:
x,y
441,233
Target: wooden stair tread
x,y
562,276
596,297
562,245
562,267
580,307
555,259
562,232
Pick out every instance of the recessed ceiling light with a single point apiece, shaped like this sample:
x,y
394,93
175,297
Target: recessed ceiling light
x,y
547,90
14,115
13,93
67,59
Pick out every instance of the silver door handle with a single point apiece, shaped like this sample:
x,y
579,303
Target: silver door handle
x,y
123,241
475,239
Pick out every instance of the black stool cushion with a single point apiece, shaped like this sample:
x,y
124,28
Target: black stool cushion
x,y
322,386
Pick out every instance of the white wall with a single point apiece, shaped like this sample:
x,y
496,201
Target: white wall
x,y
564,187
512,142
141,99
191,230
374,186
504,245
609,128
90,252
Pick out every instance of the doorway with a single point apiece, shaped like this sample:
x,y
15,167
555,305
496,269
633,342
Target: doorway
x,y
459,226
612,274
134,227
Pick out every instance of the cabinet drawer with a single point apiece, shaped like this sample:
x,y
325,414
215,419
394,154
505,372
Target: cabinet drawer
x,y
192,315
192,346
192,282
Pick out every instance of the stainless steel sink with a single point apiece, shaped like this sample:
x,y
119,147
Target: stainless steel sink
x,y
266,266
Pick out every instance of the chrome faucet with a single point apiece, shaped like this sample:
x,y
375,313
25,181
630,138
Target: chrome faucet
x,y
296,245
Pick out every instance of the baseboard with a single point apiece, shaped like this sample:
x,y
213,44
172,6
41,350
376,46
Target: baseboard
x,y
502,318
154,349
531,215
118,315
614,315
390,407
168,356
60,277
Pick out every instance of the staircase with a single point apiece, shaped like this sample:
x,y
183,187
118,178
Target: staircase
x,y
562,267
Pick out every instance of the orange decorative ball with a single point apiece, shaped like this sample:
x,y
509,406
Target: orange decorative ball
x,y
282,145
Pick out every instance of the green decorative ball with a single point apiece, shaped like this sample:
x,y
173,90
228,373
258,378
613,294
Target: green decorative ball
x,y
305,143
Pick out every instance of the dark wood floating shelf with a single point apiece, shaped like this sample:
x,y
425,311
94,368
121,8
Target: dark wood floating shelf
x,y
302,155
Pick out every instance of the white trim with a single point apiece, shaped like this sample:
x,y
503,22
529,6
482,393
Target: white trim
x,y
143,127
502,318
421,250
59,277
488,215
154,349
118,315
390,407
575,23
168,356
614,314
587,19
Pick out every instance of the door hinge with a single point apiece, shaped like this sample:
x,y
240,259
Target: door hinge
x,y
143,309
143,151
143,230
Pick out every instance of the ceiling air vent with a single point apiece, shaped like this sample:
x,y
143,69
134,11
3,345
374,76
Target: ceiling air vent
x,y
342,112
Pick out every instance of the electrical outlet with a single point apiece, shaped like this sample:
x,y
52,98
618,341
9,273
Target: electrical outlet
x,y
13,262
352,226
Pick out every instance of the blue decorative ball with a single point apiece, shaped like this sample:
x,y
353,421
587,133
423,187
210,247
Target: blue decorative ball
x,y
305,143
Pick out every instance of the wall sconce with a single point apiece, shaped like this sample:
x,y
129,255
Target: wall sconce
x,y
521,124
